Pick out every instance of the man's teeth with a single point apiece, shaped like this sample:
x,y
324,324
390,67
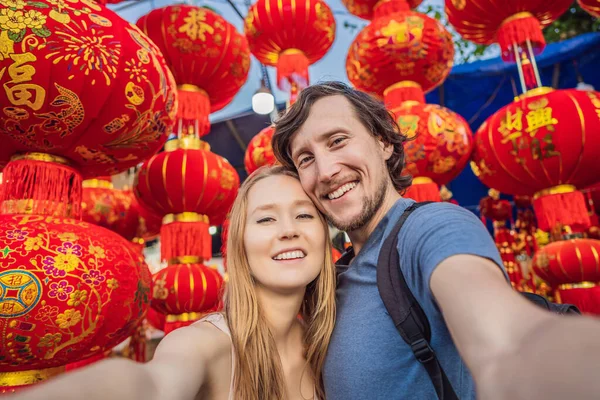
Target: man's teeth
x,y
340,191
289,255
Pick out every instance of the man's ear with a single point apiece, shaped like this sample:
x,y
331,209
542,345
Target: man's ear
x,y
386,148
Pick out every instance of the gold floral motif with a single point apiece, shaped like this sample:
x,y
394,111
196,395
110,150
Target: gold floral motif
x,y
160,292
96,251
77,297
68,237
227,179
34,243
195,26
16,4
50,340
70,318
136,70
12,21
112,283
34,19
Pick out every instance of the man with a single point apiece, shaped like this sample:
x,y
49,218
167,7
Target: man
x,y
347,150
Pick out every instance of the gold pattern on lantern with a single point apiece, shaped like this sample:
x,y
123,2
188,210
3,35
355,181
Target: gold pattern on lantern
x,y
540,115
18,90
195,26
227,179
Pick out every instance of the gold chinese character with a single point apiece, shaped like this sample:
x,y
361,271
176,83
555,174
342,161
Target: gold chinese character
x,y
22,93
15,280
511,125
539,118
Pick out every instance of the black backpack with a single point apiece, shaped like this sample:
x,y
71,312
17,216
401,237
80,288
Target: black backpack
x,y
410,319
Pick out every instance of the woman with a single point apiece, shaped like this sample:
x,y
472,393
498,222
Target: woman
x,y
279,314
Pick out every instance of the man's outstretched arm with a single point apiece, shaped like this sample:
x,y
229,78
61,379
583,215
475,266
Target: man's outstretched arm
x,y
514,349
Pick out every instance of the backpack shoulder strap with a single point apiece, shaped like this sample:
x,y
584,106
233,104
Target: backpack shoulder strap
x,y
408,316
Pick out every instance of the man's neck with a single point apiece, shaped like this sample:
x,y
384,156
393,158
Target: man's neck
x,y
360,236
281,311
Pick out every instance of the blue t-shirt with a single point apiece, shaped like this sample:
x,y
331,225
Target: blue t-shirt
x,y
367,358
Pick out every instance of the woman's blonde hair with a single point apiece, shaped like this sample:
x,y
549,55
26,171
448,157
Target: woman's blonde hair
x,y
258,371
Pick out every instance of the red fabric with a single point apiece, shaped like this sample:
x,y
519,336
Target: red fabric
x,y
479,21
259,151
85,85
395,97
591,6
201,48
273,26
156,319
178,239
442,143
518,31
514,158
505,241
365,8
568,261
187,180
71,290
149,223
185,288
586,299
194,109
401,46
85,362
495,209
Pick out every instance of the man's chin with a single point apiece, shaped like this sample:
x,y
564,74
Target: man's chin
x,y
346,223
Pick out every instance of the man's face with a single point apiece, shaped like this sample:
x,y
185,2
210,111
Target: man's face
x,y
342,166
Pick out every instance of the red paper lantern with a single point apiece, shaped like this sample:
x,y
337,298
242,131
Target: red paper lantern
x,y
207,55
290,35
187,183
400,51
68,290
83,84
508,23
260,151
539,142
568,261
442,141
184,292
110,208
591,6
365,8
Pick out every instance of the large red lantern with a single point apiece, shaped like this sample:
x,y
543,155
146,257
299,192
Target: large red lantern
x,y
400,54
68,290
207,55
514,23
201,187
184,292
591,6
440,148
543,143
365,8
290,35
84,90
260,151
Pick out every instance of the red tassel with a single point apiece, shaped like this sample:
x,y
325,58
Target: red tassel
x,y
180,239
41,187
423,191
517,30
567,209
193,110
292,68
403,91
587,299
528,72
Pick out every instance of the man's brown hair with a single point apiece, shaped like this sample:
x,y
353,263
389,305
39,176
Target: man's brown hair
x,y
370,111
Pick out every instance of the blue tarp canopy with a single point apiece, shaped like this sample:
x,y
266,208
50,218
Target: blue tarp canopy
x,y
475,91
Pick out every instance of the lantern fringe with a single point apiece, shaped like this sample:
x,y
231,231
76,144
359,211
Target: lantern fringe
x,y
423,192
292,70
517,31
179,239
41,187
566,209
194,108
586,299
397,94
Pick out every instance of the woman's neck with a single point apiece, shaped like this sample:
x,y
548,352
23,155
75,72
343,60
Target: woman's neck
x,y
281,312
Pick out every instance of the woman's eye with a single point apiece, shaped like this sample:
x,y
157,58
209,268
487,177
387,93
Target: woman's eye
x,y
305,216
264,220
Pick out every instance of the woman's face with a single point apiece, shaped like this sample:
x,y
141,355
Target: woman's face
x,y
284,237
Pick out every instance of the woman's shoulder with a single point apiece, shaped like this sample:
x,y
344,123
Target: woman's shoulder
x,y
213,332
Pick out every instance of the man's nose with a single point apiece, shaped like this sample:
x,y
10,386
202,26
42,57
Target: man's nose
x,y
327,168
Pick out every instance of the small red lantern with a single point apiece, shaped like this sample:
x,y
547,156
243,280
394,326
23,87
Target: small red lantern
x,y
68,290
516,23
568,261
591,6
209,59
290,35
400,54
539,144
365,8
183,292
260,151
440,149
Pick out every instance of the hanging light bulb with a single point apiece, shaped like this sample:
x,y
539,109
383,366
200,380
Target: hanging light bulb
x,y
263,101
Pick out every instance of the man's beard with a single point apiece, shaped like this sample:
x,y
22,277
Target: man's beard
x,y
369,209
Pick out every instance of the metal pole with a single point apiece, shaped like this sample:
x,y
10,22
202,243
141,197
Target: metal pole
x,y
519,67
534,63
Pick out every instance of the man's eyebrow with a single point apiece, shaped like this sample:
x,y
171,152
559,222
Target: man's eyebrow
x,y
320,138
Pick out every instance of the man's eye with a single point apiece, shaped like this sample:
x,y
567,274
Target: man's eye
x,y
304,160
338,141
